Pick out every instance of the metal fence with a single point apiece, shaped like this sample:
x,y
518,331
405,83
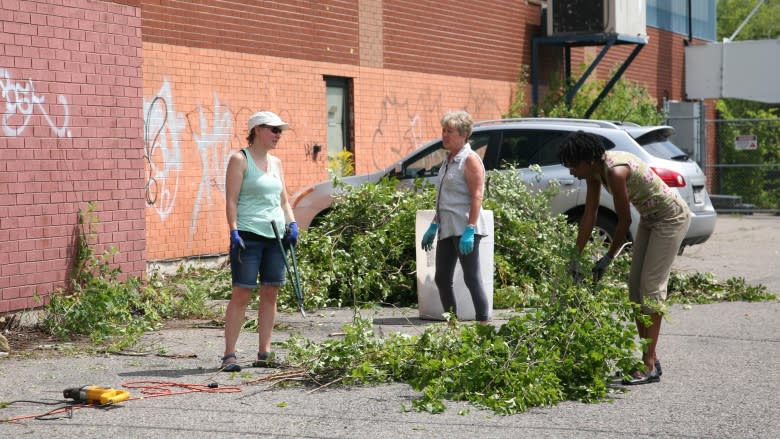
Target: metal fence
x,y
746,166
741,157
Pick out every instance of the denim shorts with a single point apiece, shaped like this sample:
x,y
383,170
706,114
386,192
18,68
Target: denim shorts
x,y
261,256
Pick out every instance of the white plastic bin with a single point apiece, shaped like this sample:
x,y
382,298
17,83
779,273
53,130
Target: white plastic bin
x,y
428,300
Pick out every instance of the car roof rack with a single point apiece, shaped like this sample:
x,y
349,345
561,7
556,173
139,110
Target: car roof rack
x,y
555,120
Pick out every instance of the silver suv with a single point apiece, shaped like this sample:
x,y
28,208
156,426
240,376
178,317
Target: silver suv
x,y
523,142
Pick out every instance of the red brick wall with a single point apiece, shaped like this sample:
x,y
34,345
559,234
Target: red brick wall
x,y
200,115
477,39
317,31
660,64
70,78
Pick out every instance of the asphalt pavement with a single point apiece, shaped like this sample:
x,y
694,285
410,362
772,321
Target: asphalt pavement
x,y
720,377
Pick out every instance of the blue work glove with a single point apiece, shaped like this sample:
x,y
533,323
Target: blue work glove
x,y
429,236
236,241
466,244
291,235
601,267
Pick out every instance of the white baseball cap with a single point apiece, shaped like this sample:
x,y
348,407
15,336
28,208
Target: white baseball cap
x,y
266,118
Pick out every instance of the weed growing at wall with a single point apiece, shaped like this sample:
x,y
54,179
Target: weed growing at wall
x,y
341,165
112,312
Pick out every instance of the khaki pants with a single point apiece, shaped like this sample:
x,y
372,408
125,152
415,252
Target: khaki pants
x,y
654,249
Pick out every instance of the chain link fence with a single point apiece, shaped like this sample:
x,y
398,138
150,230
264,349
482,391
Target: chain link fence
x,y
741,157
746,166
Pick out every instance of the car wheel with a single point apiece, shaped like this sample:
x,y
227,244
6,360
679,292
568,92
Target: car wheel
x,y
318,218
604,229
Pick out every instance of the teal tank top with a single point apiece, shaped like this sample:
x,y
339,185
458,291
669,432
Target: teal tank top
x,y
260,199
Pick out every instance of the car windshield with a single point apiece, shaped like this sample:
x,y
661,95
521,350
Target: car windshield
x,y
666,150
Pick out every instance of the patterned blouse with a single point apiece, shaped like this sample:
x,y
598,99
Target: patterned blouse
x,y
651,197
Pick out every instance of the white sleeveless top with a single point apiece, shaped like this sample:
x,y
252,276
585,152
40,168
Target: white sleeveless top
x,y
453,198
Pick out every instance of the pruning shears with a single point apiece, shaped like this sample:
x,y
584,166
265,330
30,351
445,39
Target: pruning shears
x,y
291,272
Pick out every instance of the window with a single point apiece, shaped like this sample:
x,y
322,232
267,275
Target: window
x,y
427,162
672,15
522,148
338,102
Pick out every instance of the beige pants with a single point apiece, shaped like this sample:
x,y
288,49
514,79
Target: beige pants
x,y
654,249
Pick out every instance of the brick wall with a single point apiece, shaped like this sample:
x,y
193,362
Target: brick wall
x,y
70,78
195,117
320,31
477,39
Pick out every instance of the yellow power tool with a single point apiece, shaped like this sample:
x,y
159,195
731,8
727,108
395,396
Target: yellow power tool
x,y
96,395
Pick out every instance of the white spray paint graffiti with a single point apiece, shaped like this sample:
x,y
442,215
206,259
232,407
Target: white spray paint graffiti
x,y
214,149
20,102
162,139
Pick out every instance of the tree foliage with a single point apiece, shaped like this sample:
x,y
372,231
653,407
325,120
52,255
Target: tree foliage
x,y
627,101
763,25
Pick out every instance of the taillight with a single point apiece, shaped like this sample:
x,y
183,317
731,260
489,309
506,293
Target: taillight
x,y
671,178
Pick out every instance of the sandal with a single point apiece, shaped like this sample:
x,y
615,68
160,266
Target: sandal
x,y
646,378
228,365
657,367
266,359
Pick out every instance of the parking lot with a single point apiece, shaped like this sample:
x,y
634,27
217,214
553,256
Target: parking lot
x,y
720,377
743,245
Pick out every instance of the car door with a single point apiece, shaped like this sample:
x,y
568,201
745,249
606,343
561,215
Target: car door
x,y
522,148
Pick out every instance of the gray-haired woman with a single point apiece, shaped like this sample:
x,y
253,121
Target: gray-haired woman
x,y
459,190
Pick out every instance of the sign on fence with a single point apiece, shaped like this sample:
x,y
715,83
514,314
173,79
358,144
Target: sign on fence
x,y
747,142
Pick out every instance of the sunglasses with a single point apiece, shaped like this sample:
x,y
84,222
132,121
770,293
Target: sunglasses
x,y
275,130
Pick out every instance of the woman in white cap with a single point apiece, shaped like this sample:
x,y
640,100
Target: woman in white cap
x,y
256,196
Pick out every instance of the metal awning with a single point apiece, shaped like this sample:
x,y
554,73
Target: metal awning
x,y
578,40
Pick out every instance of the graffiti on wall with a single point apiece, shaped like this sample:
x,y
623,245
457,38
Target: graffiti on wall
x,y
405,125
162,150
213,143
21,102
212,130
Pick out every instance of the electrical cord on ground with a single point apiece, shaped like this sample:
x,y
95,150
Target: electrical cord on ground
x,y
154,389
148,389
66,407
